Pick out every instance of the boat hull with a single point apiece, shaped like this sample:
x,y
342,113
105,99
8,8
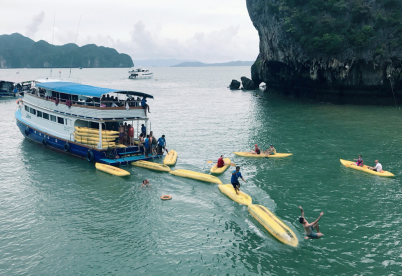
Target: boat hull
x,y
87,152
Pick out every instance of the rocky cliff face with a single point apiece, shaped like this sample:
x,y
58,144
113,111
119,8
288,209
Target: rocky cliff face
x,y
342,51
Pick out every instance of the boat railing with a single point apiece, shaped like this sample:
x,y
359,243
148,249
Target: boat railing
x,y
106,103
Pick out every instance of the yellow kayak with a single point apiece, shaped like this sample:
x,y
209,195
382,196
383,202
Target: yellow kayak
x,y
249,154
241,198
273,224
170,158
87,138
217,170
96,135
111,169
151,166
352,165
95,130
197,176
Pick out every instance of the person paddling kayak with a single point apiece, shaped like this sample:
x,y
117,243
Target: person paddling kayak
x,y
270,150
220,163
256,150
235,179
309,227
359,162
377,167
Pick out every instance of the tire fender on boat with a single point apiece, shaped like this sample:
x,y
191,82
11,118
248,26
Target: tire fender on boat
x,y
44,142
67,147
90,156
27,131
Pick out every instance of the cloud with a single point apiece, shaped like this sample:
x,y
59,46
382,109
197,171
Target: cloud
x,y
215,46
32,28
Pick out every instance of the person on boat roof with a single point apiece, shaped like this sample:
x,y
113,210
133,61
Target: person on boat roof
x,y
309,227
256,150
145,106
271,150
220,163
377,167
359,162
235,179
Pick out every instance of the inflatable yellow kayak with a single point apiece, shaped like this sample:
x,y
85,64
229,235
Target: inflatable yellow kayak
x,y
273,224
170,158
111,169
87,138
352,165
217,170
151,166
95,130
249,154
197,176
95,135
241,198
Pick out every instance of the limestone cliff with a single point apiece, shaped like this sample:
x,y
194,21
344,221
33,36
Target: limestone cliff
x,y
342,51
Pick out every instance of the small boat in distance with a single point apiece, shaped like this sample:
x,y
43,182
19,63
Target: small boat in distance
x,y
140,73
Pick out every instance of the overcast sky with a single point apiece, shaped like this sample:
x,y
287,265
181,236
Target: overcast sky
x,y
203,30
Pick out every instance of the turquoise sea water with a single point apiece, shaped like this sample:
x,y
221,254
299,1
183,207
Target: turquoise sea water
x,y
60,216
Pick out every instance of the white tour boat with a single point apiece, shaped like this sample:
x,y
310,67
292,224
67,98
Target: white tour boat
x,y
140,73
82,120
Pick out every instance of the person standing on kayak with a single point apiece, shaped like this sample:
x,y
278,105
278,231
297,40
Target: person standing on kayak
x,y
309,227
377,168
220,163
235,179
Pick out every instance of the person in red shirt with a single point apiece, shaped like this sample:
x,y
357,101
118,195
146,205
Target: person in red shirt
x,y
256,150
221,163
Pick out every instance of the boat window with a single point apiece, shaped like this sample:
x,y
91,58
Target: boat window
x,y
39,114
60,120
33,111
45,116
53,118
26,108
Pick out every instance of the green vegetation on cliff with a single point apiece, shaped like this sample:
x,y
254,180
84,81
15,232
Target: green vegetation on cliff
x,y
17,51
332,26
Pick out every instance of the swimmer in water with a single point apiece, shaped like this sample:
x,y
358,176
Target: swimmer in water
x,y
309,227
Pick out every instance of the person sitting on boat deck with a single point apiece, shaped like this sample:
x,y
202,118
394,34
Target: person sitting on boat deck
x,y
377,167
270,151
162,144
146,146
145,106
256,150
121,133
220,163
309,227
145,183
235,179
131,134
359,162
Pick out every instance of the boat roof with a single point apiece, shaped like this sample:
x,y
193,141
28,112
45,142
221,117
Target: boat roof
x,y
86,90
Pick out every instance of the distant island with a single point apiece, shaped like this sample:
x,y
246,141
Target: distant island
x,y
18,51
201,64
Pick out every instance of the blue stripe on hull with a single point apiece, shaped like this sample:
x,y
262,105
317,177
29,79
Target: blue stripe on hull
x,y
76,149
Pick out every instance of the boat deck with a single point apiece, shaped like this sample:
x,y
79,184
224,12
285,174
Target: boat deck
x,y
128,159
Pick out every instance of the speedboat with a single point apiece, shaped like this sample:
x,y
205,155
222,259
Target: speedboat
x,y
140,73
82,120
